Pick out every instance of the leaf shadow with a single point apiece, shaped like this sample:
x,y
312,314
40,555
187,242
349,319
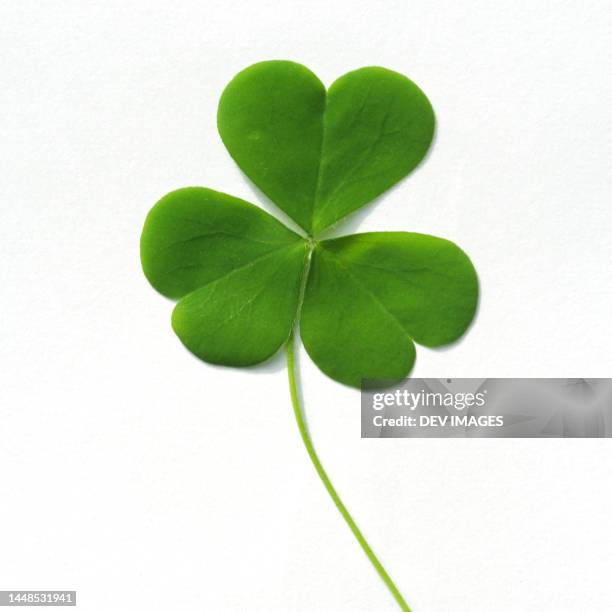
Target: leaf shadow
x,y
273,364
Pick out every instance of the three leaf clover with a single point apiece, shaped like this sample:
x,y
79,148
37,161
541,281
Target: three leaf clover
x,y
243,279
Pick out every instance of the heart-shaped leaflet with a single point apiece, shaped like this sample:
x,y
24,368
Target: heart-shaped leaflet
x,y
321,155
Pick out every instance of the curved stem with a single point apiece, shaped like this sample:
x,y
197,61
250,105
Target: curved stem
x,y
299,417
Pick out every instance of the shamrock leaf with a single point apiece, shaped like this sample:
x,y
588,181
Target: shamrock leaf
x,y
319,156
244,281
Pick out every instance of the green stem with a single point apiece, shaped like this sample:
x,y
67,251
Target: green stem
x,y
299,417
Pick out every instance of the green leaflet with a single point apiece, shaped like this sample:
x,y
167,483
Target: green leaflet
x,y
237,267
369,295
319,156
238,272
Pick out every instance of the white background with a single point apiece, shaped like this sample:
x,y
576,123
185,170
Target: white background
x,y
148,480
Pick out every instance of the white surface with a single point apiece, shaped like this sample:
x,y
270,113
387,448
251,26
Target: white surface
x,y
149,481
